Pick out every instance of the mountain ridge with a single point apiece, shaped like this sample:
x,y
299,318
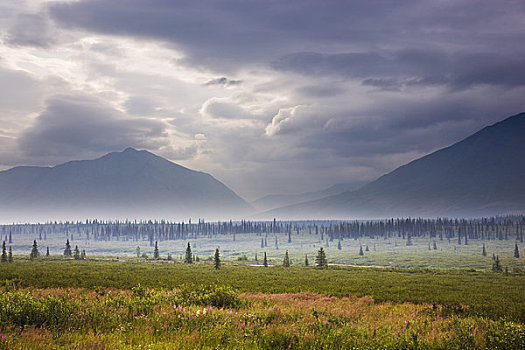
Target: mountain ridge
x,y
130,183
479,175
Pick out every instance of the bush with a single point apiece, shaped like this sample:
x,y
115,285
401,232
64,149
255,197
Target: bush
x,y
213,295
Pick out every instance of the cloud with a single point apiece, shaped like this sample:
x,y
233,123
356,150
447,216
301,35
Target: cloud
x,y
78,125
31,30
223,81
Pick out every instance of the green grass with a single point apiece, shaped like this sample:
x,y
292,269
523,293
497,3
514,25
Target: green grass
x,y
486,294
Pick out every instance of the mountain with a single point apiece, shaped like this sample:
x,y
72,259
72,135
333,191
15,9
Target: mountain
x,y
272,201
481,175
128,184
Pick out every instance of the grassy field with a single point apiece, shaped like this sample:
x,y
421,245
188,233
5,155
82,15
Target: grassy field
x,y
129,304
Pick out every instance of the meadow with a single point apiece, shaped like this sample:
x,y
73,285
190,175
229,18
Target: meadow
x,y
113,304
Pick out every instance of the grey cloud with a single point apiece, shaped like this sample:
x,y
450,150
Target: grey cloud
x,y
229,33
393,70
31,30
223,81
79,125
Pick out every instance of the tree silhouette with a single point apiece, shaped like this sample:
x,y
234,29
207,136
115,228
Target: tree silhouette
x,y
320,259
286,261
217,259
188,259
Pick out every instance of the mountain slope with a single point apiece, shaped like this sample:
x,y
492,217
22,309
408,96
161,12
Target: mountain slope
x,y
280,200
128,184
483,174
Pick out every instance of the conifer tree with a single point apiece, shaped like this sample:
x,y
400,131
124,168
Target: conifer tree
x,y
67,251
217,259
320,259
47,251
137,251
339,245
306,262
435,246
409,240
366,248
361,250
188,259
77,253
262,242
265,260
256,257
496,266
4,253
484,251
516,251
286,261
156,254
10,255
34,251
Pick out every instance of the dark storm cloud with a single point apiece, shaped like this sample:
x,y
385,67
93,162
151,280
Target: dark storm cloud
x,y
408,68
78,125
228,33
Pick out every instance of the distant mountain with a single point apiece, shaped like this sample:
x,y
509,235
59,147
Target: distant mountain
x,y
280,200
483,174
129,184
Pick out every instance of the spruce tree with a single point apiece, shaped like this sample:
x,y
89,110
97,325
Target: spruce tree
x,y
217,259
320,259
47,251
77,253
366,248
137,251
188,259
484,251
306,262
339,245
496,266
256,257
67,251
435,246
286,261
4,253
516,251
156,254
265,260
10,255
361,250
34,251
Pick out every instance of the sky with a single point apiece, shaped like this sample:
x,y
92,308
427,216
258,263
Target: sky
x,y
267,96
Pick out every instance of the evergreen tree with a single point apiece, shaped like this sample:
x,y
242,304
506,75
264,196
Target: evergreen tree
x,y
409,240
366,248
156,254
484,251
4,253
286,261
320,259
516,251
361,250
306,262
67,251
34,251
256,257
339,245
217,259
137,251
77,253
496,266
262,242
10,255
435,246
265,260
47,251
290,236
170,258
188,259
